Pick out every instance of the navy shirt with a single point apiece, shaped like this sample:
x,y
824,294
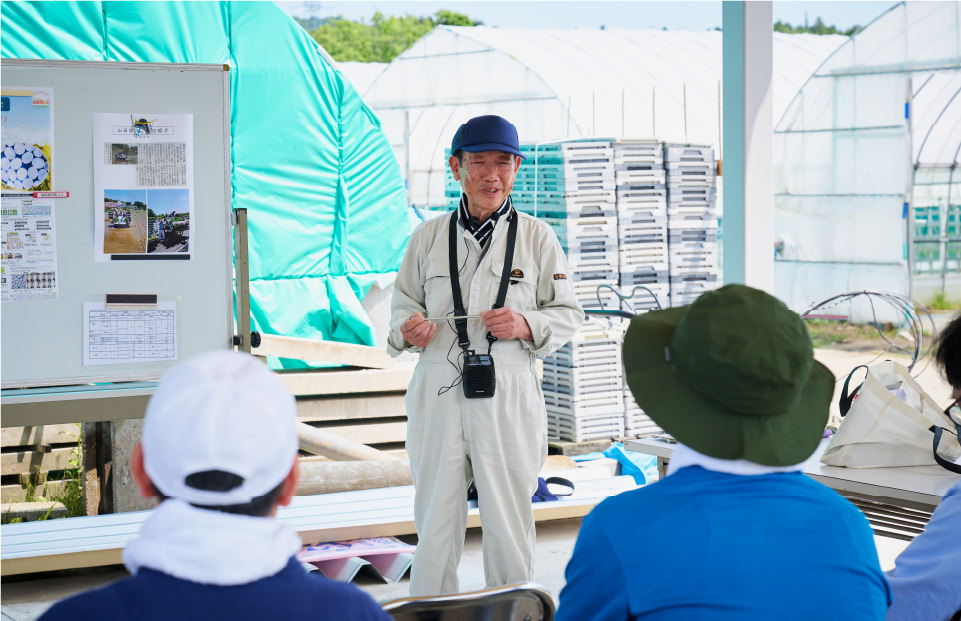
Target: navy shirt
x,y
291,593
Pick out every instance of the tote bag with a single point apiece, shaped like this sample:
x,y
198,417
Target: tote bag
x,y
890,421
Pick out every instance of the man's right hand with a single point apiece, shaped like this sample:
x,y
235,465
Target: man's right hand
x,y
418,331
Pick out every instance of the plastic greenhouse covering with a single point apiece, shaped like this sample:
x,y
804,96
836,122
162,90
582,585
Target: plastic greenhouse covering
x,y
866,190
327,213
557,84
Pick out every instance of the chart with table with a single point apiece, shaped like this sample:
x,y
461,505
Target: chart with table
x,y
115,336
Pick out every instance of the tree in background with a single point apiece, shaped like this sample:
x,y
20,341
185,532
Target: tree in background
x,y
818,28
381,40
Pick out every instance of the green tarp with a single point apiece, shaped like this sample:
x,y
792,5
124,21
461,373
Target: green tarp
x,y
327,212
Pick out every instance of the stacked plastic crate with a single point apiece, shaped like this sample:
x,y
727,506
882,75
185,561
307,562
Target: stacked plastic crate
x,y
571,186
642,237
642,222
691,221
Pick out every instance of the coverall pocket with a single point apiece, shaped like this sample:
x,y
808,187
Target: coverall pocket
x,y
437,294
521,286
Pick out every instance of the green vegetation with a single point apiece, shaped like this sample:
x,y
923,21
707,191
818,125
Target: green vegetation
x,y
819,28
381,40
71,497
941,302
826,333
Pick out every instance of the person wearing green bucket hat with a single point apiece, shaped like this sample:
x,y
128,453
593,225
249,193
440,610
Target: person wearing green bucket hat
x,y
736,530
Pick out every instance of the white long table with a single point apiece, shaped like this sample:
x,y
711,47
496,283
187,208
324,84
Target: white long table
x,y
897,501
99,540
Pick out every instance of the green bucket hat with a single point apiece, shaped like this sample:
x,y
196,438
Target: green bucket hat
x,y
732,376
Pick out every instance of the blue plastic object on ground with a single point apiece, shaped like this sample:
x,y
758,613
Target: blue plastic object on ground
x,y
638,465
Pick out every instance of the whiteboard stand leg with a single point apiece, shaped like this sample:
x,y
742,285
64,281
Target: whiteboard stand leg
x,y
241,280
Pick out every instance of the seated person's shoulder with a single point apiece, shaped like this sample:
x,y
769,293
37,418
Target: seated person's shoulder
x,y
341,600
98,604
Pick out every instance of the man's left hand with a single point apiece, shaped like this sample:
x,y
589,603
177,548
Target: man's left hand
x,y
506,324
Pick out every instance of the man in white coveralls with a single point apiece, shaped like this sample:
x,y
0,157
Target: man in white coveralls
x,y
467,420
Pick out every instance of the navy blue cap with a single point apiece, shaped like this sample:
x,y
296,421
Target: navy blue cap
x,y
486,133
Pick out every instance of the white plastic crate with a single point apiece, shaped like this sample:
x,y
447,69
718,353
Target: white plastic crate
x,y
637,195
551,197
548,177
626,168
628,174
569,187
634,236
586,293
642,253
647,296
600,404
645,277
596,352
567,168
649,186
680,249
692,284
635,258
588,247
640,424
573,228
687,262
674,152
636,422
638,148
586,204
656,215
644,203
568,152
690,193
580,428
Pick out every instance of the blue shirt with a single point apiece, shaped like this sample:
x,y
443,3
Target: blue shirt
x,y
707,545
926,579
291,593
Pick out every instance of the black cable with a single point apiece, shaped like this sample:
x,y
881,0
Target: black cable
x,y
458,365
905,308
626,300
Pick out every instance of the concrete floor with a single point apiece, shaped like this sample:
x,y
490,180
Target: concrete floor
x,y
22,600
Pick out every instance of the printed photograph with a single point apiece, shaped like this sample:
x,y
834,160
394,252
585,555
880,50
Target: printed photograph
x,y
124,221
168,216
122,154
25,154
25,166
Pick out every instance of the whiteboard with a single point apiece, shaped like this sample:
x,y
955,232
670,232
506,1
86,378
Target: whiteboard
x,y
42,340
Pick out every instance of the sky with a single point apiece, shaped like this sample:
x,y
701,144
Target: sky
x,y
24,122
560,14
127,196
167,200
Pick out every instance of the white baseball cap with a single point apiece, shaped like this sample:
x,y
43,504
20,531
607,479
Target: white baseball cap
x,y
219,411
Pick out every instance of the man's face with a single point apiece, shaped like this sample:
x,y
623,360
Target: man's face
x,y
487,178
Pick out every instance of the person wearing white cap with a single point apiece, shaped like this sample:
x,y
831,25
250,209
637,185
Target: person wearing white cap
x,y
473,415
219,449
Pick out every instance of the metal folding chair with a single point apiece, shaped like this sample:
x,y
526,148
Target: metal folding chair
x,y
521,601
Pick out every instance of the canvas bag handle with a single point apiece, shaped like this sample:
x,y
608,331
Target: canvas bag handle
x,y
844,403
846,400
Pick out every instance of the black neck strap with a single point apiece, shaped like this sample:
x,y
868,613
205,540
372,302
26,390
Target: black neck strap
x,y
463,340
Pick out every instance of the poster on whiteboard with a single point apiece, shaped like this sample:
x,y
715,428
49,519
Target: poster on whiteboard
x,y
26,161
143,186
28,248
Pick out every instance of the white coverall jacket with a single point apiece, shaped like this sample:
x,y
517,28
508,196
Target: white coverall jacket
x,y
501,442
